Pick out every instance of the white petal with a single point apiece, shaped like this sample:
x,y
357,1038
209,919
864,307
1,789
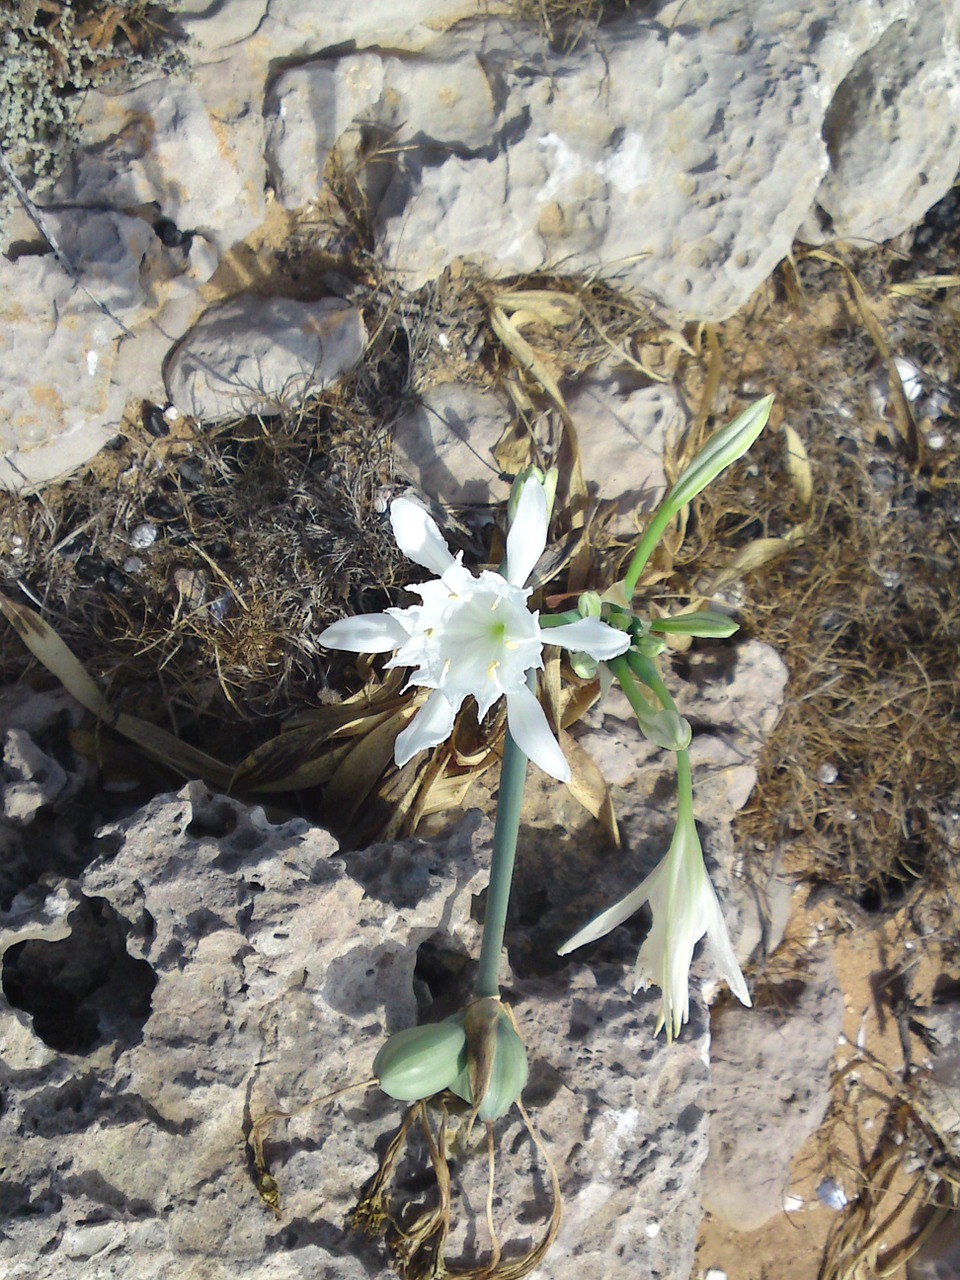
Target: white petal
x,y
721,950
588,635
430,726
418,537
528,533
608,920
529,729
366,633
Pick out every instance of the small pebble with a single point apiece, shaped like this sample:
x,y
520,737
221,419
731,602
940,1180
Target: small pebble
x,y
190,586
143,536
831,1196
936,404
221,607
132,564
191,472
827,773
910,376
155,422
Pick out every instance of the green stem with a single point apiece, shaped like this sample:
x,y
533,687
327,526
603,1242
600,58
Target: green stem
x,y
513,774
645,671
559,619
684,787
652,535
628,684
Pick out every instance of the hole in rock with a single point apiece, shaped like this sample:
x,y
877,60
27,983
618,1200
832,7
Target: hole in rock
x,y
445,976
85,989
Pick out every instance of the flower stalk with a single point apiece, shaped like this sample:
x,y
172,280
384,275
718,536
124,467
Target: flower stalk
x,y
513,773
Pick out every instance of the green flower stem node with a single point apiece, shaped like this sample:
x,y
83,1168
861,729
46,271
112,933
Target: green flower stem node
x,y
417,1063
706,625
665,728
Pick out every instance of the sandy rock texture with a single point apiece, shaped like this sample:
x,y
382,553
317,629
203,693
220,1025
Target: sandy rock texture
x,y
679,152
770,1071
236,965
255,356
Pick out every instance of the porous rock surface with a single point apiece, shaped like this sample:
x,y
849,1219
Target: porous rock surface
x,y
242,966
679,151
255,355
770,1071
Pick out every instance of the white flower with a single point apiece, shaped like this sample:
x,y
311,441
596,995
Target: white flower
x,y
473,635
685,907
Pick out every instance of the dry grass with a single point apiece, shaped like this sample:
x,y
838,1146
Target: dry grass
x,y
264,531
860,779
568,23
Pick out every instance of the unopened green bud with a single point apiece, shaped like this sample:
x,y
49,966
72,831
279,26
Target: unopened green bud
x,y
650,646
706,624
590,605
584,665
420,1061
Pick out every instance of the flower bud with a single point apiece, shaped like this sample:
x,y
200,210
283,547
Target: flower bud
x,y
533,475
584,665
589,605
706,624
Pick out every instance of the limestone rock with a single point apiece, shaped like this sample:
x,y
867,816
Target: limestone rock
x,y
665,190
158,143
445,445
695,189
42,826
256,355
287,28
232,966
622,432
770,1075
679,152
891,130
58,401
307,110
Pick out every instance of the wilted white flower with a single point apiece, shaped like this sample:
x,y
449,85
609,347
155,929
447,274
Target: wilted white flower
x,y
473,634
685,907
